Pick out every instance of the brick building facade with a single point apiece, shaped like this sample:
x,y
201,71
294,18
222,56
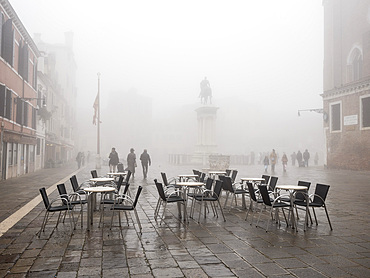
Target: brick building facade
x,y
18,95
346,96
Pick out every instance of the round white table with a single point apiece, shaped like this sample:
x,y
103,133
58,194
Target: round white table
x,y
293,189
187,185
117,174
98,180
186,177
91,201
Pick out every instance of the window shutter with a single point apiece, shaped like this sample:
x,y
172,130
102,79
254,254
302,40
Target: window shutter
x,y
8,41
8,104
1,30
33,118
25,61
2,100
366,112
25,114
19,110
20,58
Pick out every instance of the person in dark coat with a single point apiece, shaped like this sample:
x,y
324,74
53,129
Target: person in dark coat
x,y
306,157
145,162
131,162
113,160
299,158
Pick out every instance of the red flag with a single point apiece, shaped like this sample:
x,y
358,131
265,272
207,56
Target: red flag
x,y
96,107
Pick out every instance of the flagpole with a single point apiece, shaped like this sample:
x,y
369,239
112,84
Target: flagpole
x,y
98,161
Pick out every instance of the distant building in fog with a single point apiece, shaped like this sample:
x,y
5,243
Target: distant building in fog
x,y
57,74
346,94
20,144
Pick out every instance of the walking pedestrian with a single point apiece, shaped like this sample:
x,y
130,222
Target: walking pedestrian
x,y
131,162
284,160
145,162
266,163
306,157
293,156
273,158
113,160
78,159
299,159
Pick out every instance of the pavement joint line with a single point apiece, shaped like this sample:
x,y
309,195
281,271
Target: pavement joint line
x,y
13,219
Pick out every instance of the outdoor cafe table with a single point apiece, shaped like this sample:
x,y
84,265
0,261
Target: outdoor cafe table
x,y
253,180
99,181
187,177
90,201
292,190
186,185
213,174
116,174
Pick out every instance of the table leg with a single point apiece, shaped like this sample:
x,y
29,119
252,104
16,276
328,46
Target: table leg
x,y
89,211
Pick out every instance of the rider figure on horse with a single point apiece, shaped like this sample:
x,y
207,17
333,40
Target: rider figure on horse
x,y
205,90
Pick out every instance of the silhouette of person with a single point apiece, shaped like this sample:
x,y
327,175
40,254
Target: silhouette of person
x,y
273,159
266,163
284,160
113,160
145,162
131,162
299,159
78,159
306,157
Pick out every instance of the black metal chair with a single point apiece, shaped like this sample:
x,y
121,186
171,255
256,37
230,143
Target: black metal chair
x,y
63,206
275,204
199,192
234,173
172,197
318,201
266,178
211,196
272,184
120,205
253,200
94,174
228,186
71,199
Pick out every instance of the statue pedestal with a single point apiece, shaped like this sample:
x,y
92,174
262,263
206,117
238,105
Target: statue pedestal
x,y
206,141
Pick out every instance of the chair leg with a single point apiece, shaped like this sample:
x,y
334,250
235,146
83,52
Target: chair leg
x,y
138,221
43,223
327,215
314,214
222,212
200,210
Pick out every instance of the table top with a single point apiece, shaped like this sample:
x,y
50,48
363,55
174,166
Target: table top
x,y
189,183
102,179
291,187
117,174
188,176
252,179
98,189
217,172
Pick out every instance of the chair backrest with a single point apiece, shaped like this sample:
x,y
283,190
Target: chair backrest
x,y
128,176
63,193
322,191
227,184
265,195
233,175
196,172
228,172
160,190
119,183
251,191
137,196
127,185
74,183
299,195
202,177
267,178
273,182
94,174
217,189
164,179
209,183
44,197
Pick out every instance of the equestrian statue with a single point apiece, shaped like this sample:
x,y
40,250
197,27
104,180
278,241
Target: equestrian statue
x,y
205,91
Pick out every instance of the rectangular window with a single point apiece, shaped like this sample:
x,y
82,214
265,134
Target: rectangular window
x,y
8,41
20,104
8,104
25,114
2,100
335,117
33,118
365,106
38,146
15,152
10,151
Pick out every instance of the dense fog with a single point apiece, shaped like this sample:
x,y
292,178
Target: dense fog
x,y
263,60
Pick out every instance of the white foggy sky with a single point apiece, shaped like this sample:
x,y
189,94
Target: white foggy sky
x,y
253,49
266,53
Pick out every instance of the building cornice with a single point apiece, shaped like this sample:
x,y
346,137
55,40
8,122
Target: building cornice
x,y
18,23
354,87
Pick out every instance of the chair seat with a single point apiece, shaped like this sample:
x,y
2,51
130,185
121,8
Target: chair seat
x,y
281,205
172,199
60,208
241,191
78,202
312,204
206,198
123,207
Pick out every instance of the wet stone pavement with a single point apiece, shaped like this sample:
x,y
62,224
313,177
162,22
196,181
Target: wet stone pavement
x,y
211,248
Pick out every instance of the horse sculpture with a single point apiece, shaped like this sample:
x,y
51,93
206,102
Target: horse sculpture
x,y
206,93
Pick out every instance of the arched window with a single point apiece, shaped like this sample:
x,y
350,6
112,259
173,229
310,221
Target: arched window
x,y
354,64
